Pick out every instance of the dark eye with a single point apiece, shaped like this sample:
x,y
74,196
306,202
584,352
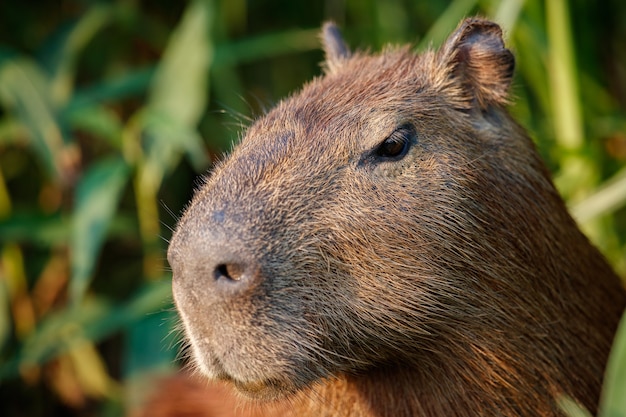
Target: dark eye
x,y
396,145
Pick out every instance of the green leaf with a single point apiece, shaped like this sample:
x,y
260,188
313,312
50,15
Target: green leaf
x,y
56,334
178,97
530,45
609,197
563,77
92,320
572,409
507,13
97,197
123,86
166,138
34,227
147,343
179,86
448,20
613,400
48,230
24,88
266,45
62,50
98,121
5,311
11,130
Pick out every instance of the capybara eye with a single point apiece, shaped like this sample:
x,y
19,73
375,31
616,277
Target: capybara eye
x,y
396,145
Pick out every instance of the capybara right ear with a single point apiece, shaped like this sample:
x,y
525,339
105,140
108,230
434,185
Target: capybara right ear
x,y
335,48
477,63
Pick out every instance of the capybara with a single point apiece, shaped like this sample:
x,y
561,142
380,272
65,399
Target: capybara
x,y
387,242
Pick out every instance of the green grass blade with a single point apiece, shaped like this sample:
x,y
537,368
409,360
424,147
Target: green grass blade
x,y
124,86
609,197
92,320
5,306
448,20
179,87
11,130
531,48
24,89
572,409
62,50
507,13
266,45
166,139
613,399
50,230
35,228
98,121
54,335
97,197
566,108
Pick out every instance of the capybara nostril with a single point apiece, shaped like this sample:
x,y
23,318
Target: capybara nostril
x,y
230,272
230,279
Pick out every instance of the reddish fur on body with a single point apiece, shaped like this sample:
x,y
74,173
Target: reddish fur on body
x,y
320,278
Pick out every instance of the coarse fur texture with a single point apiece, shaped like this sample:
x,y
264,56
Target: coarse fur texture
x,y
387,242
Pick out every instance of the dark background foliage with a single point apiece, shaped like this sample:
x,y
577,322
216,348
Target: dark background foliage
x,y
110,110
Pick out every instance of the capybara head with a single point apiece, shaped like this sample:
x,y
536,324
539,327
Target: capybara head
x,y
389,215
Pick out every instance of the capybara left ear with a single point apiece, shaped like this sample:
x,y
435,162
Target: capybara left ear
x,y
335,48
476,61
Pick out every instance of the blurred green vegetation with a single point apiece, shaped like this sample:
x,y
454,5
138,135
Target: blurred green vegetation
x,y
109,111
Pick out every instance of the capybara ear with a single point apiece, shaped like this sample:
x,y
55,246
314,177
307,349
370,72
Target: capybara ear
x,y
476,60
335,48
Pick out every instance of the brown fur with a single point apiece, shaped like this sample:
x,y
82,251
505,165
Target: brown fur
x,y
320,278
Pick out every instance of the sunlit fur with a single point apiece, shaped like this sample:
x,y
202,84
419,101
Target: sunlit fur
x,y
451,282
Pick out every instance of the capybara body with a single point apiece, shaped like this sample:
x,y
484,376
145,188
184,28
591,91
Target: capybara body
x,y
387,242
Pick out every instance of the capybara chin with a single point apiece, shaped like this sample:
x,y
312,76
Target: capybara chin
x,y
387,242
